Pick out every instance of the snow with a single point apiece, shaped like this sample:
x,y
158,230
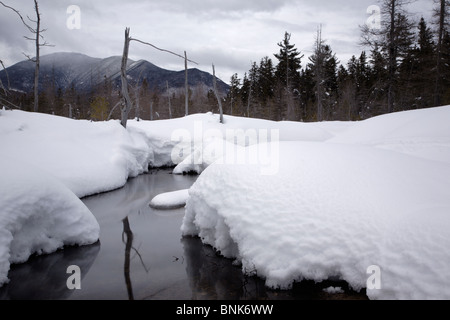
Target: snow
x,y
333,290
170,200
48,163
335,208
291,200
87,157
38,215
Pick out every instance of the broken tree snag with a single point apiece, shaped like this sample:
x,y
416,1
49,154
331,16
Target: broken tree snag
x,y
170,103
186,85
128,104
217,94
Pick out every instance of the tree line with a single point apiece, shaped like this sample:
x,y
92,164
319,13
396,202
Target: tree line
x,y
407,67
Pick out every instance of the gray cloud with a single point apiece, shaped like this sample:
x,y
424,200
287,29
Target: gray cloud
x,y
231,33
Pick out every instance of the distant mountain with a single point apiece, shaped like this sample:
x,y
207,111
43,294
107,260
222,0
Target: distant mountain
x,y
84,73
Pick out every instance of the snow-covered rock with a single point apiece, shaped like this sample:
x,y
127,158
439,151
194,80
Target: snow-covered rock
x,y
170,200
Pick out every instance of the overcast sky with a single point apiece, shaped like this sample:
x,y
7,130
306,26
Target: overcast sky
x,y
229,33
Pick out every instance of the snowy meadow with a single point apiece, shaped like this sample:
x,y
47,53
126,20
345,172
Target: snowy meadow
x,y
365,202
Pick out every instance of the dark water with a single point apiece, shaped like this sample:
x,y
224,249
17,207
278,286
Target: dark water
x,y
141,255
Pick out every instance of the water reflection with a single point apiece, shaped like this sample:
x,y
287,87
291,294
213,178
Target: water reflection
x,y
214,277
133,233
127,238
44,277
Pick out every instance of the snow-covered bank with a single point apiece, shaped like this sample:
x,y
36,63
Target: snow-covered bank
x,y
38,214
337,209
87,157
342,197
47,164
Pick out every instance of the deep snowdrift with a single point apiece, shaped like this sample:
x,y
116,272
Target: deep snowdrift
x,y
38,215
47,164
336,209
88,157
318,200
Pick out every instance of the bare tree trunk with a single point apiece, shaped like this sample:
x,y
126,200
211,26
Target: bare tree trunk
x,y
170,103
392,57
442,12
186,84
217,94
128,246
151,110
7,79
38,62
318,74
38,36
137,99
128,104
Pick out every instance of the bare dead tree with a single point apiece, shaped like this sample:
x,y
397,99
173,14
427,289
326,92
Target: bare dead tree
x,y
441,14
394,38
318,73
7,79
186,84
37,32
170,103
127,102
216,92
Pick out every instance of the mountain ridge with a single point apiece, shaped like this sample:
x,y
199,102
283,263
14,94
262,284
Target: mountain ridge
x,y
84,73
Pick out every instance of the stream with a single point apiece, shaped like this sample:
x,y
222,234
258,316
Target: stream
x,y
141,255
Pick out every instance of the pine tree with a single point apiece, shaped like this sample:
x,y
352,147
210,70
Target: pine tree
x,y
323,64
234,93
266,79
441,15
394,39
423,65
289,63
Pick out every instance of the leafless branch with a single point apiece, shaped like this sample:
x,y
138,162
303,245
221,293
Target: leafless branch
x,y
11,105
7,78
114,108
29,57
164,50
20,16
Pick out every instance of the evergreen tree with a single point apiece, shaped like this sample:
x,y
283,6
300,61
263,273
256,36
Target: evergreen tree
x,y
266,79
289,63
234,93
418,69
441,15
394,39
323,64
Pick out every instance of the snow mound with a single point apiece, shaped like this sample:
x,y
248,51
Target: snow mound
x,y
87,157
39,215
193,142
332,211
170,200
422,133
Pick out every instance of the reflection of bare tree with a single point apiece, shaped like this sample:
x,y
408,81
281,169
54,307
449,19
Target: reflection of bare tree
x,y
128,245
127,238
